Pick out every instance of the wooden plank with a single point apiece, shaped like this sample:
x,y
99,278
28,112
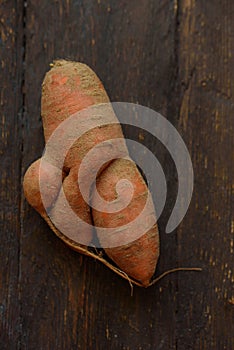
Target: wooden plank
x,y
205,54
11,41
70,301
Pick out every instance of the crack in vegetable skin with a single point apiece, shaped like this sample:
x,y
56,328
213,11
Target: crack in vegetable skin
x,y
70,87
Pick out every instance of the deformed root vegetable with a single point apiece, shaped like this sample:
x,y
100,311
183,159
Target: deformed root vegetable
x,y
69,88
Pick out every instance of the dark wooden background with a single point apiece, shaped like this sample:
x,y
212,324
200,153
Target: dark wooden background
x,y
177,58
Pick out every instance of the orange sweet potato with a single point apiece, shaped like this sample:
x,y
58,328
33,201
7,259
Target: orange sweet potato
x,y
67,89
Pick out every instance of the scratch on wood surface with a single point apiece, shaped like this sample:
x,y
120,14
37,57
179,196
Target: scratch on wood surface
x,y
65,316
232,238
133,326
184,105
175,7
107,332
68,5
60,8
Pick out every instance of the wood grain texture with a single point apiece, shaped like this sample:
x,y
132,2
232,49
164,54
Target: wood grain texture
x,y
10,175
177,58
205,317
